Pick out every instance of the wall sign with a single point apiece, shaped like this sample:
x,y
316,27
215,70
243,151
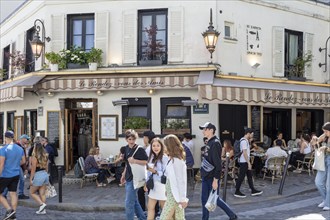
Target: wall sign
x,y
40,111
53,128
255,121
201,108
253,36
108,127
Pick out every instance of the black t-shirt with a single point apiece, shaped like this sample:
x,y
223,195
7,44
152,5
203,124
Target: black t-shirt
x,y
139,155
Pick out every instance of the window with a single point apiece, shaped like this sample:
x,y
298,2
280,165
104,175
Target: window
x,y
30,62
81,31
10,121
152,37
293,49
174,115
138,113
1,127
30,122
5,63
229,30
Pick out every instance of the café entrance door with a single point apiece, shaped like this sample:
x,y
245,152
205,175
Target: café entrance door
x,y
80,129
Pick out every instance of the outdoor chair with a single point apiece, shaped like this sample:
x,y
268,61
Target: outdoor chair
x,y
275,167
306,164
86,176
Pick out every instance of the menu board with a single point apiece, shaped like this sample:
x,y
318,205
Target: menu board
x,y
255,121
53,128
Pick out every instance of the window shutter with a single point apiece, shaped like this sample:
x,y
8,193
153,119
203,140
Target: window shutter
x,y
308,48
129,36
58,33
175,34
21,42
102,35
278,51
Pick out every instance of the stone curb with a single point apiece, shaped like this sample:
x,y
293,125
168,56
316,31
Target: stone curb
x,y
74,207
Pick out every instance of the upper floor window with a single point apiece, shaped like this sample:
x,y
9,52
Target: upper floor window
x,y
30,122
81,31
10,121
5,64
29,58
293,49
229,30
152,37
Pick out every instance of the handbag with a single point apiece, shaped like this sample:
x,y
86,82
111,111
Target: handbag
x,y
139,173
211,203
50,191
319,163
150,182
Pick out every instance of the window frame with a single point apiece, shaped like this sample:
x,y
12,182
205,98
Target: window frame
x,y
287,34
30,60
153,13
70,36
12,126
6,61
25,123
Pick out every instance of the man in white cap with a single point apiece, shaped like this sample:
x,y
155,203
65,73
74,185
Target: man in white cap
x,y
11,159
211,170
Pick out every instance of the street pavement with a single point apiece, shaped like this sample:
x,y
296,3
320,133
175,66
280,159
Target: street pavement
x,y
92,202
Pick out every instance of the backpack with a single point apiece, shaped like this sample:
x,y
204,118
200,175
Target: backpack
x,y
55,151
237,148
77,170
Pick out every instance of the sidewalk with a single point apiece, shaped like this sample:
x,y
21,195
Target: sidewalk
x,y
111,198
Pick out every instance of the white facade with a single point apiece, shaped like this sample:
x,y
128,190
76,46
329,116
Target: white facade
x,y
116,34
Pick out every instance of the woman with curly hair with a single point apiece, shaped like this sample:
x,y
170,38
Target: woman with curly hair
x,y
176,183
39,178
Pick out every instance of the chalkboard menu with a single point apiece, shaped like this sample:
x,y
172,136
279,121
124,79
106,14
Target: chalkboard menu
x,y
53,128
255,121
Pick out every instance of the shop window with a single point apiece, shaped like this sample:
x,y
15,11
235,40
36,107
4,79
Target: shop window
x,y
175,117
5,64
152,36
81,31
293,49
10,121
30,122
137,115
309,121
1,127
30,61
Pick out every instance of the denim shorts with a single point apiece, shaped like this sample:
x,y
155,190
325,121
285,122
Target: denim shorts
x,y
40,178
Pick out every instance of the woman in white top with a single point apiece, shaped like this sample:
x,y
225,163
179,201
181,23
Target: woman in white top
x,y
176,183
156,165
305,148
98,155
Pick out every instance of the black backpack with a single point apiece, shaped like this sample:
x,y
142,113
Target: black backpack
x,y
237,148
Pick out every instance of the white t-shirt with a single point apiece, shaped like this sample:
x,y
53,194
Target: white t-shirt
x,y
275,151
189,144
244,145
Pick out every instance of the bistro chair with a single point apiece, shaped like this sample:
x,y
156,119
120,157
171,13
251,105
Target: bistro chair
x,y
86,176
275,167
306,164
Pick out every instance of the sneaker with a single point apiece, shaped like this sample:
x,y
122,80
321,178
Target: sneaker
x,y
326,208
321,205
233,218
238,194
9,214
23,196
256,192
43,212
42,207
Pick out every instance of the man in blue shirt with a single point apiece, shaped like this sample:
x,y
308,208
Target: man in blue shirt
x,y
11,159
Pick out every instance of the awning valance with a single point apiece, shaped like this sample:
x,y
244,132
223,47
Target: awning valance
x,y
117,82
262,93
14,90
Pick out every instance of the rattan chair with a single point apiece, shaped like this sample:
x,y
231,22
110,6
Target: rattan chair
x,y
85,175
275,167
306,164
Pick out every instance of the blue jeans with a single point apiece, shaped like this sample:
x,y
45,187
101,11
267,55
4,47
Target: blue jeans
x,y
101,172
132,204
322,181
206,189
20,184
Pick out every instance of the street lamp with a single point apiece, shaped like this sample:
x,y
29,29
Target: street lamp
x,y
210,36
37,45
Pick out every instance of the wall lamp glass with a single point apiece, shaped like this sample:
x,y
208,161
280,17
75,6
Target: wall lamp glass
x,y
255,66
120,102
151,91
99,93
210,36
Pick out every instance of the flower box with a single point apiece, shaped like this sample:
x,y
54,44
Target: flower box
x,y
77,66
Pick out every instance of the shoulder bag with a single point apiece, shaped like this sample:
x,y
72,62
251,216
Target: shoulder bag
x,y
50,191
319,163
138,171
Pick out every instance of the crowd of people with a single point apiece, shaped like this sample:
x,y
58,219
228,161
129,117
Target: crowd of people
x,y
18,160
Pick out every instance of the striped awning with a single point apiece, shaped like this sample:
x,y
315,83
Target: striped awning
x,y
117,82
232,91
14,90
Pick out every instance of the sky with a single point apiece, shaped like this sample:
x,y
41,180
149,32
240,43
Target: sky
x,y
8,6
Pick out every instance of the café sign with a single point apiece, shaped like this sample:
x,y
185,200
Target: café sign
x,y
293,98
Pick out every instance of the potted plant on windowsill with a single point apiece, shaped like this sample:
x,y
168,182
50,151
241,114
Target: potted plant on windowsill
x,y
94,58
139,124
17,62
297,70
152,49
74,58
55,59
175,126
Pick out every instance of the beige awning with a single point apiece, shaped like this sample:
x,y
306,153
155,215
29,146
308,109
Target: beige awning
x,y
117,82
14,90
234,91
